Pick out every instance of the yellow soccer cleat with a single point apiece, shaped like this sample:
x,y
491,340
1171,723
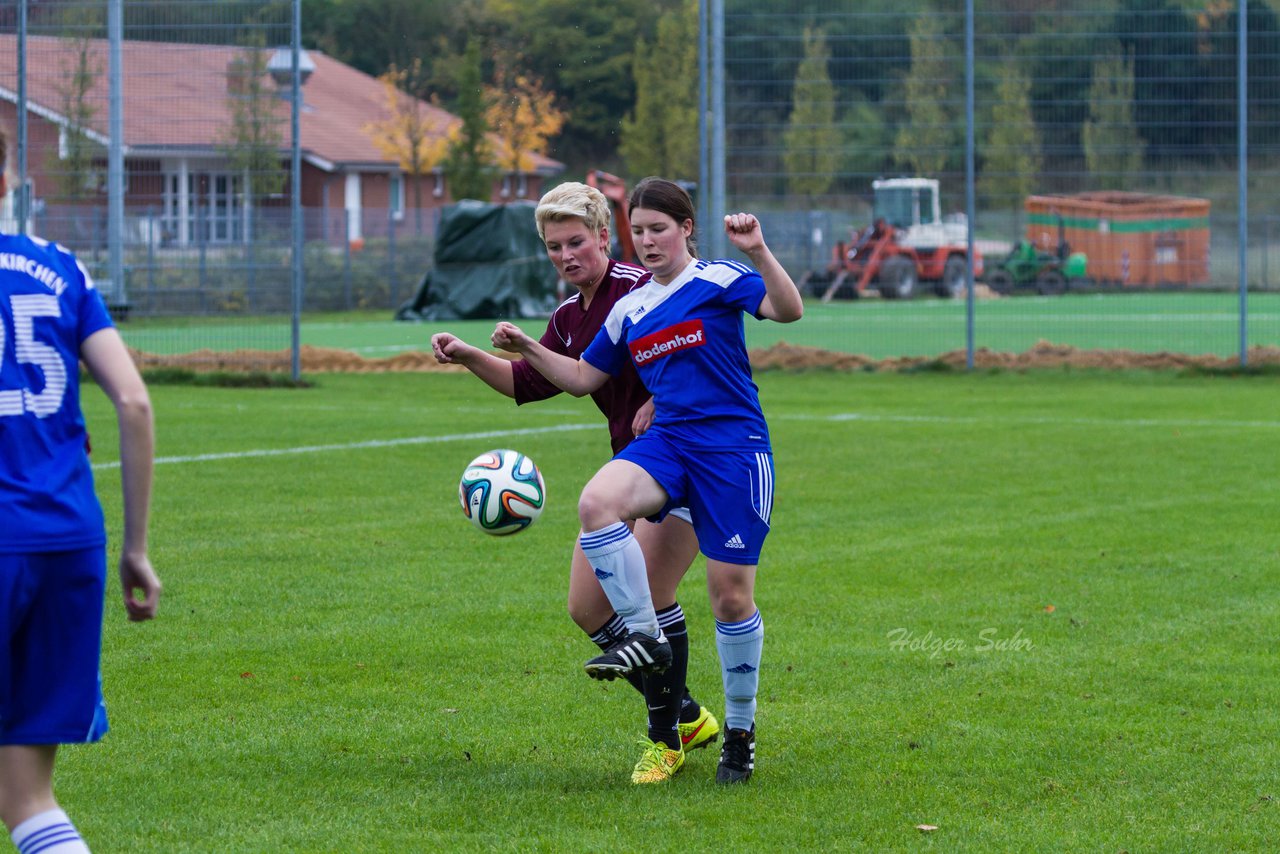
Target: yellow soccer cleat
x,y
658,763
700,732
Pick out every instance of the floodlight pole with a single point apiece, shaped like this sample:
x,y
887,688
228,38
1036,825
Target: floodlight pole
x,y
115,152
22,207
295,113
716,204
1242,172
969,196
704,134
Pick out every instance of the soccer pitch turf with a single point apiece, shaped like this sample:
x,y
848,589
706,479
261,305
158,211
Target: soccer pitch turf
x,y
1194,323
1034,610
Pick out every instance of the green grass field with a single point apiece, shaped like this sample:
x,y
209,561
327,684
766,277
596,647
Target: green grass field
x,y
1196,323
1034,610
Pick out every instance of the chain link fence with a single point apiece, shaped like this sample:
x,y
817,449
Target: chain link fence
x,y
1107,170
1106,187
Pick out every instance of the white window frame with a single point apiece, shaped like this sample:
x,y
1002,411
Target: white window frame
x,y
396,196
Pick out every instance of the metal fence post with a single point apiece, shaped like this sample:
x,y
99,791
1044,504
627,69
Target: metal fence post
x,y
391,258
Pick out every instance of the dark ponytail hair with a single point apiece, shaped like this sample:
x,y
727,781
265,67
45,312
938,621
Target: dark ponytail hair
x,y
666,197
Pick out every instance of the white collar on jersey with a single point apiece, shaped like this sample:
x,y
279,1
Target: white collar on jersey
x,y
683,276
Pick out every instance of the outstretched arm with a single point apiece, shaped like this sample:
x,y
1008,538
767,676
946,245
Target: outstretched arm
x,y
575,376
782,300
494,370
112,368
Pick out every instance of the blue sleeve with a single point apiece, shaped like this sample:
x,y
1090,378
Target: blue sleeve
x,y
605,355
746,293
91,310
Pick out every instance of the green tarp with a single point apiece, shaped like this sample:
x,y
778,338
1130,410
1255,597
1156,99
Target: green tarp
x,y
489,263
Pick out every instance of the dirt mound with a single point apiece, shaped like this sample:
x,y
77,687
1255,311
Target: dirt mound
x,y
781,356
1043,355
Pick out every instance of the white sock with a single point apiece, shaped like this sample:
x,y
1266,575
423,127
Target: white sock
x,y
618,562
49,832
741,646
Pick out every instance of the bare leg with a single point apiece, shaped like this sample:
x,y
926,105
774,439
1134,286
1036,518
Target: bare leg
x,y
26,782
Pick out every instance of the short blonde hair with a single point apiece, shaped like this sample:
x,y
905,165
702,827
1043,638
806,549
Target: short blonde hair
x,y
572,200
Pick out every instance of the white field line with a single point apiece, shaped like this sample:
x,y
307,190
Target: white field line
x,y
356,446
1206,423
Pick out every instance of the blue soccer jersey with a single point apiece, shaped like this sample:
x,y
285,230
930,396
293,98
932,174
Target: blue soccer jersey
x,y
48,307
686,340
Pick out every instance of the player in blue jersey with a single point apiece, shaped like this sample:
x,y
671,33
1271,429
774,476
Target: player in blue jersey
x,y
573,222
52,538
708,447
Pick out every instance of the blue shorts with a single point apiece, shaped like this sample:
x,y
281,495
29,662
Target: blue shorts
x,y
51,607
729,493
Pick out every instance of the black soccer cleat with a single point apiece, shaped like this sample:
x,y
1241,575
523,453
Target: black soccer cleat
x,y
737,756
636,651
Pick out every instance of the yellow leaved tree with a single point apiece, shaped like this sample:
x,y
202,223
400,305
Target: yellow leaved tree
x,y
523,117
414,134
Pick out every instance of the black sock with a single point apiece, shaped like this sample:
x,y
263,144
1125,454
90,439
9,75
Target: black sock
x,y
664,693
610,633
689,707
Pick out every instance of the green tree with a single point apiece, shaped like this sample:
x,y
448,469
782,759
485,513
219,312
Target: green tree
x,y
811,141
584,53
468,164
72,163
926,140
1012,156
374,35
660,134
1113,148
866,141
255,138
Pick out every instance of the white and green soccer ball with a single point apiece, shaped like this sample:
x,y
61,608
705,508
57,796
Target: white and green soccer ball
x,y
502,492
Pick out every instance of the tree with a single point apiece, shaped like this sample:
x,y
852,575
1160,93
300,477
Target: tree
x,y
413,135
374,35
584,53
73,160
255,138
811,141
468,163
925,141
523,116
866,141
1113,147
1012,153
660,133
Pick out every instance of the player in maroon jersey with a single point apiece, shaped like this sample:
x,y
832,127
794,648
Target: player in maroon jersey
x,y
573,221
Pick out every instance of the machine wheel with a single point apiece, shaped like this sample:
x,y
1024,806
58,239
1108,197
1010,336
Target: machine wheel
x,y
897,278
954,275
1000,281
1051,283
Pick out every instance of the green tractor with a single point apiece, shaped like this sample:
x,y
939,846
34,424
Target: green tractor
x,y
1027,267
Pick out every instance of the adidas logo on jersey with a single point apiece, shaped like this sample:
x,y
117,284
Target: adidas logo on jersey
x,y
741,668
735,542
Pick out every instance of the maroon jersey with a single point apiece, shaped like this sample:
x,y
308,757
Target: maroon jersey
x,y
569,331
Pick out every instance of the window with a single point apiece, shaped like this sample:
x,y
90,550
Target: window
x,y
396,202
210,211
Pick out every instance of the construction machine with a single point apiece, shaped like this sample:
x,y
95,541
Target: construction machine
x,y
907,245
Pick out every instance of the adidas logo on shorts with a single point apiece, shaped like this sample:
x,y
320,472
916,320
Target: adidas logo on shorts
x,y
735,542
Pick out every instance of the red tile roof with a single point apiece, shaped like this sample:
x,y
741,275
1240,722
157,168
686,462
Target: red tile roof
x,y
175,98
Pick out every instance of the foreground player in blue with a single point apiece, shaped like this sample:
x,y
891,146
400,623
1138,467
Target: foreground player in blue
x,y
52,536
573,222
708,448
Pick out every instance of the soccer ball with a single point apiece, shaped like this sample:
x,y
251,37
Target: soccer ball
x,y
502,492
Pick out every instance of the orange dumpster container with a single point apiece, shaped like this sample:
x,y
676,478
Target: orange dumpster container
x,y
1131,239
